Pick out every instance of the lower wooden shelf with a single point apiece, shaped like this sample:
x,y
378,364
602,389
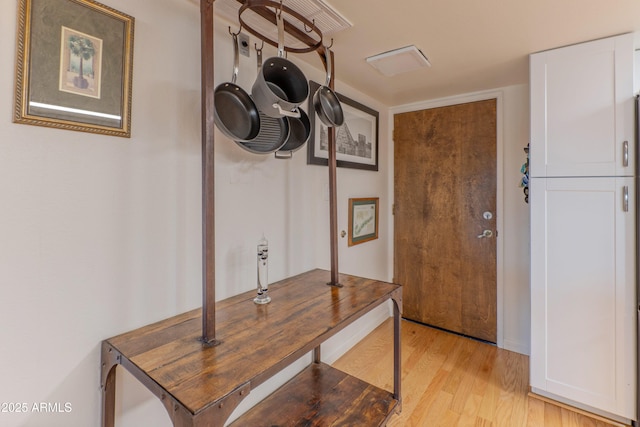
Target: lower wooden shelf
x,y
322,396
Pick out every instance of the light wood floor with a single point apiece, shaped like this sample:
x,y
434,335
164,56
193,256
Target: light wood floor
x,y
449,381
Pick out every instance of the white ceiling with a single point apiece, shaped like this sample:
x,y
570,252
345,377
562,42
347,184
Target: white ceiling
x,y
473,45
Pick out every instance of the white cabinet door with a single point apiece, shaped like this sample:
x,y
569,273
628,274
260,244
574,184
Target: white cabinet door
x,y
583,291
582,111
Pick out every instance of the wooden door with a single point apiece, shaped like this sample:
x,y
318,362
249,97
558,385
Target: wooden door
x,y
445,197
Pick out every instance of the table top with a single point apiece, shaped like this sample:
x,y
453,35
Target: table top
x,y
255,341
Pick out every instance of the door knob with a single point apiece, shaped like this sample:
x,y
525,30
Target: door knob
x,y
485,233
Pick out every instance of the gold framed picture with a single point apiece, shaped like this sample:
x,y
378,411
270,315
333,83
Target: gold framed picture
x,y
363,220
74,66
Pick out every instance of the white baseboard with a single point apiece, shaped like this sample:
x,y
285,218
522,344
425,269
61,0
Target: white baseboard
x,y
342,342
516,346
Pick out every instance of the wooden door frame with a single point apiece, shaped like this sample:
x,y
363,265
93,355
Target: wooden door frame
x,y
498,95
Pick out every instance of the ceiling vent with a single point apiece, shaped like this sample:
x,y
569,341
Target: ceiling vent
x,y
399,61
327,20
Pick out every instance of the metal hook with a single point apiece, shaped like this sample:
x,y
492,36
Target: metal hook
x,y
331,45
235,34
259,55
313,25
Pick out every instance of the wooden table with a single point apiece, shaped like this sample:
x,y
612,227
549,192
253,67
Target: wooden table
x,y
200,385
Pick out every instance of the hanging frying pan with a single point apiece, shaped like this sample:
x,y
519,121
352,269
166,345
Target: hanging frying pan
x,y
281,73
325,101
235,113
274,132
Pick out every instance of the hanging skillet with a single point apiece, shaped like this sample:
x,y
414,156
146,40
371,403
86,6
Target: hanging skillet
x,y
281,73
325,100
274,132
235,113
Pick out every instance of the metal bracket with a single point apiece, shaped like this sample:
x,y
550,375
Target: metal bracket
x,y
218,413
110,358
243,44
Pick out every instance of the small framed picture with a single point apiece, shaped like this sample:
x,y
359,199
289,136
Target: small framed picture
x,y
363,220
74,66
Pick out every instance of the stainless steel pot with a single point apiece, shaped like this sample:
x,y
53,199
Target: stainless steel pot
x,y
285,75
274,132
299,127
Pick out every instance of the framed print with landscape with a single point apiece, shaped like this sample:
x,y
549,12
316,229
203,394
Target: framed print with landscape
x,y
74,66
356,139
363,220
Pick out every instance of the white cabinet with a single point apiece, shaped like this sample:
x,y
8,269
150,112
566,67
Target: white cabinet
x,y
582,109
583,226
583,291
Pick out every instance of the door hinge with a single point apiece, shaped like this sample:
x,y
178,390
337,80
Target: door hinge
x,y
393,209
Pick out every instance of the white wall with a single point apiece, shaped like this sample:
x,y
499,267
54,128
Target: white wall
x,y
516,293
100,235
513,212
287,200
